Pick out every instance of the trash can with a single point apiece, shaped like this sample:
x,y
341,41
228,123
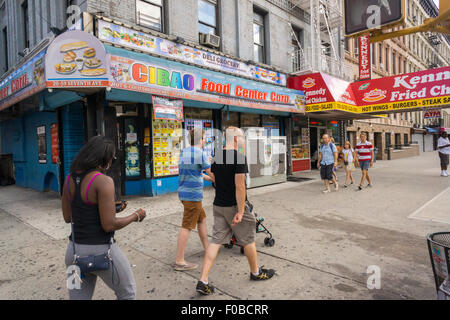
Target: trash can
x,y
439,247
6,170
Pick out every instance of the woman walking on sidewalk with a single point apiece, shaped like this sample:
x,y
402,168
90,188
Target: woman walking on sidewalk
x,y
349,162
88,204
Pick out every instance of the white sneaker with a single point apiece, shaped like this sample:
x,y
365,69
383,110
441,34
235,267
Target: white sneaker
x,y
444,173
326,191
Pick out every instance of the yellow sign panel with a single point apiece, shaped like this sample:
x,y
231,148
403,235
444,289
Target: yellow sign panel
x,y
384,107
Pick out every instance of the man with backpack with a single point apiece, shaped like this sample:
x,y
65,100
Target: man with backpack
x,y
327,161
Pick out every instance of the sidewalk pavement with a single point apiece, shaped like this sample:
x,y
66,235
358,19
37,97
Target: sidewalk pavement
x,y
324,242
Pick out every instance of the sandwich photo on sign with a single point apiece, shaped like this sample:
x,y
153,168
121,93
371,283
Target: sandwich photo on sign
x,y
73,56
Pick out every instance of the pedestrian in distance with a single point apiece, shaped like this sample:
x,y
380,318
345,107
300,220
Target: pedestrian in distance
x,y
335,168
193,161
327,161
364,156
444,152
349,162
88,204
231,214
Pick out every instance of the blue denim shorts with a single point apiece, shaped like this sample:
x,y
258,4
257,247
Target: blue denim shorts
x,y
365,165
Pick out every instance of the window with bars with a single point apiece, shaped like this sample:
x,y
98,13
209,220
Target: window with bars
x,y
207,16
380,56
356,48
25,25
386,58
259,51
150,14
393,63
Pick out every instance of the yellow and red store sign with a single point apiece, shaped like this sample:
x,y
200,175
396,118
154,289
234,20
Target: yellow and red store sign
x,y
418,90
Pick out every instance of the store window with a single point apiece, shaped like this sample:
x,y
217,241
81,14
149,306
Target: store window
x,y
259,52
272,125
230,118
150,13
198,118
250,120
207,16
300,139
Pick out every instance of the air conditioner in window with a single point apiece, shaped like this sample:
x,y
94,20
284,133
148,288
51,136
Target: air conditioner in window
x,y
211,40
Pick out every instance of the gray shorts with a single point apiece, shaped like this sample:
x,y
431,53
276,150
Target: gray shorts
x,y
124,285
223,231
365,164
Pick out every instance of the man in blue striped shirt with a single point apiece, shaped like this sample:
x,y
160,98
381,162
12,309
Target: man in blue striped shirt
x,y
190,191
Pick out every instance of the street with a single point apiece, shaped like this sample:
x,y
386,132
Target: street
x,y
324,242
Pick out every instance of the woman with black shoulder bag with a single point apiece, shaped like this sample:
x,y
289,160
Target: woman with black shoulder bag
x,y
88,204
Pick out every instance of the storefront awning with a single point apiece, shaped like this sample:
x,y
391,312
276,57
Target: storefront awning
x,y
138,72
408,92
24,82
327,97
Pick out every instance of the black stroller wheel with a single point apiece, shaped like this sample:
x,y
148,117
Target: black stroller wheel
x,y
229,245
270,242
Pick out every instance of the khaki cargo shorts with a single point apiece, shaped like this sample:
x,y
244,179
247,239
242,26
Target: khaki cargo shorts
x,y
193,214
223,231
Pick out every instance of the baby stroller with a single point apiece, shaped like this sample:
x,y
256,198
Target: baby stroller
x,y
269,241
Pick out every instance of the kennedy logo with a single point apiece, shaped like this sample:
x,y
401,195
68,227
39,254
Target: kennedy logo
x,y
374,95
364,86
309,83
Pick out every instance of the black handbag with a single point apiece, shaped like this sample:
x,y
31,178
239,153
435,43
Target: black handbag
x,y
91,263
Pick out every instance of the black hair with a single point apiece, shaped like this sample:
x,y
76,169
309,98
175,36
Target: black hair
x,y
443,133
97,152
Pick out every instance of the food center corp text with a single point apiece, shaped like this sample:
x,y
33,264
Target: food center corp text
x,y
241,92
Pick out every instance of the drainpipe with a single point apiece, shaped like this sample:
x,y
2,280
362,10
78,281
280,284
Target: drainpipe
x,y
236,3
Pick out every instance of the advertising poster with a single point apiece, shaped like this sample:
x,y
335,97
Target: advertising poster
x,y
133,39
168,109
55,142
76,59
132,165
166,147
42,144
172,80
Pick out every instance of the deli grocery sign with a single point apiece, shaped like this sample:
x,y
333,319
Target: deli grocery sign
x,y
133,39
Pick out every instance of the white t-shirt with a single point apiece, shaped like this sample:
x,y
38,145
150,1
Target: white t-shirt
x,y
348,155
443,142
